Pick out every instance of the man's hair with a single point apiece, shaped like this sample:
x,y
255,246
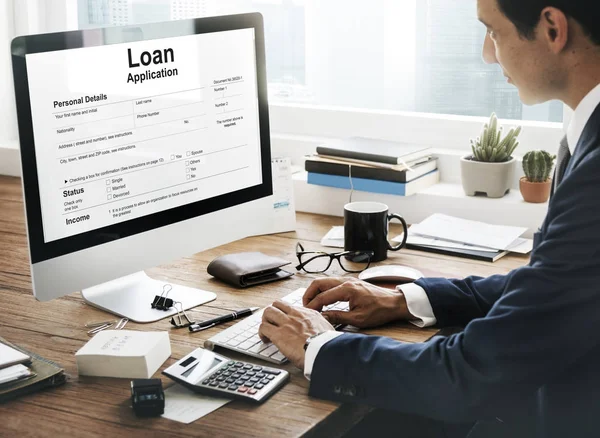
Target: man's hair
x,y
526,14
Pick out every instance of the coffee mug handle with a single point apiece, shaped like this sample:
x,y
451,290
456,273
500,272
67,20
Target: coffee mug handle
x,y
405,235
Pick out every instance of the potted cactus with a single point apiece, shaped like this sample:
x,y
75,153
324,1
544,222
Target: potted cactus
x,y
490,170
535,185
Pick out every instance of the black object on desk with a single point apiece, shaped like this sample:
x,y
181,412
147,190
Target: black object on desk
x,y
199,326
147,397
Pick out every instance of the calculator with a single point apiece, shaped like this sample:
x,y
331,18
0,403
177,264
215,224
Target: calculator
x,y
206,372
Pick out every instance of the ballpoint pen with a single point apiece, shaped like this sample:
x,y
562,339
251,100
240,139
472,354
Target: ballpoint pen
x,y
225,318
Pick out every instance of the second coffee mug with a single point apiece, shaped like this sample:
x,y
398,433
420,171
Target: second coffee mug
x,y
366,227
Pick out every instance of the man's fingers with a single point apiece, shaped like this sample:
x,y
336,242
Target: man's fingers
x,y
274,316
282,306
318,286
337,317
333,295
266,331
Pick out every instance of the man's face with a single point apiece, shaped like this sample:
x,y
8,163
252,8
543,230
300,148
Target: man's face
x,y
526,63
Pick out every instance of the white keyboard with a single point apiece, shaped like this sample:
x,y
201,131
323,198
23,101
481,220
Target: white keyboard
x,y
243,336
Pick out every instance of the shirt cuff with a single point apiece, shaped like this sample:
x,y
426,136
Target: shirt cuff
x,y
314,347
418,305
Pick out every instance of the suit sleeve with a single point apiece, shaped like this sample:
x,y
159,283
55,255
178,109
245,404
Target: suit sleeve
x,y
531,334
458,302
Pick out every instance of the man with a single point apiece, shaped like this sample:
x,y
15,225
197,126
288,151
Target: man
x,y
528,360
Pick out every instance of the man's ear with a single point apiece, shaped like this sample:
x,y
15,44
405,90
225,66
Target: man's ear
x,y
554,28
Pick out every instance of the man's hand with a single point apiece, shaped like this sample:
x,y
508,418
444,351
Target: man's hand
x,y
370,305
289,327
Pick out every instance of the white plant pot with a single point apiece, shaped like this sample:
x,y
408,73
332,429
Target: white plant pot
x,y
490,179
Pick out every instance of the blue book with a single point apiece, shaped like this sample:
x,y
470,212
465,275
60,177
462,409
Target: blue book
x,y
375,186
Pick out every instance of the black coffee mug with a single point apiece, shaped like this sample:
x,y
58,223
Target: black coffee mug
x,y
366,229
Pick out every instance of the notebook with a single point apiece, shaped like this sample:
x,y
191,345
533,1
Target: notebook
x,y
46,374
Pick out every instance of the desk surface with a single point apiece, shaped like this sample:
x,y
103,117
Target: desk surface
x,y
100,406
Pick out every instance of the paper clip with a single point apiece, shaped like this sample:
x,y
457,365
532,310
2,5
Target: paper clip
x,y
179,322
121,324
161,302
98,327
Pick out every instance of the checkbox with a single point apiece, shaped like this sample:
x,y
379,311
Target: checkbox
x,y
187,163
187,153
172,157
188,177
109,197
108,189
107,182
187,170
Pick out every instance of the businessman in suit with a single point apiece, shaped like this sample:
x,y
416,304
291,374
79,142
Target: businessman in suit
x,y
528,360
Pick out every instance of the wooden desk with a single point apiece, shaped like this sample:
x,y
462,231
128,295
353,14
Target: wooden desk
x,y
100,406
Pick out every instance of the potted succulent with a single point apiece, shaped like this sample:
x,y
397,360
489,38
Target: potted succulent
x,y
490,170
535,185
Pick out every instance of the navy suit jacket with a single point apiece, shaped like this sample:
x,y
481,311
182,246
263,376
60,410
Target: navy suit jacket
x,y
529,355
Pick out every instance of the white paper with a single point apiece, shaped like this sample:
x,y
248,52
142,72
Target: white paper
x,y
521,246
458,230
431,241
185,406
10,356
283,218
334,238
13,373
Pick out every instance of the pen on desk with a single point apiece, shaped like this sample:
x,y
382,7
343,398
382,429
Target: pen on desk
x,y
225,318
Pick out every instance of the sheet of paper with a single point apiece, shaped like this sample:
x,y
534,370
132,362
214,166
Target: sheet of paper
x,y
475,233
431,241
284,209
334,238
521,246
185,406
14,373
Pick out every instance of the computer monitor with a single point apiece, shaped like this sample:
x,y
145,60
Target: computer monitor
x,y
140,145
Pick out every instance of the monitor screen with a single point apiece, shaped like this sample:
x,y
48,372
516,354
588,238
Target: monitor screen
x,y
130,129
124,131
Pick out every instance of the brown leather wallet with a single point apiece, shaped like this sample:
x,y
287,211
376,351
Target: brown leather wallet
x,y
246,269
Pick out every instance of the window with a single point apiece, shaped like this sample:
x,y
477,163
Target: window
x,y
400,55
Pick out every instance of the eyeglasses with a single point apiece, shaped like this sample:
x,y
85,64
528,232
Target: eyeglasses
x,y
318,261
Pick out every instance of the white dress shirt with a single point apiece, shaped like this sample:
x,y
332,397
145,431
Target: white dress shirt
x,y
416,299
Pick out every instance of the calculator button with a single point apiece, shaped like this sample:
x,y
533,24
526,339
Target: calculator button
x,y
247,367
242,389
265,381
256,368
239,364
236,376
239,382
227,374
271,371
244,378
230,380
254,379
206,382
230,363
259,386
213,383
223,385
260,375
270,377
221,378
232,388
252,391
250,373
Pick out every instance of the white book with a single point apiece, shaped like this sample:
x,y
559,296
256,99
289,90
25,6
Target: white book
x,y
124,353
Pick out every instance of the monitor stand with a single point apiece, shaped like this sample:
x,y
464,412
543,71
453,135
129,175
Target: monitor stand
x,y
131,297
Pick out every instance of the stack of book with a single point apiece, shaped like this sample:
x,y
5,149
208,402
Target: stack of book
x,y
372,165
